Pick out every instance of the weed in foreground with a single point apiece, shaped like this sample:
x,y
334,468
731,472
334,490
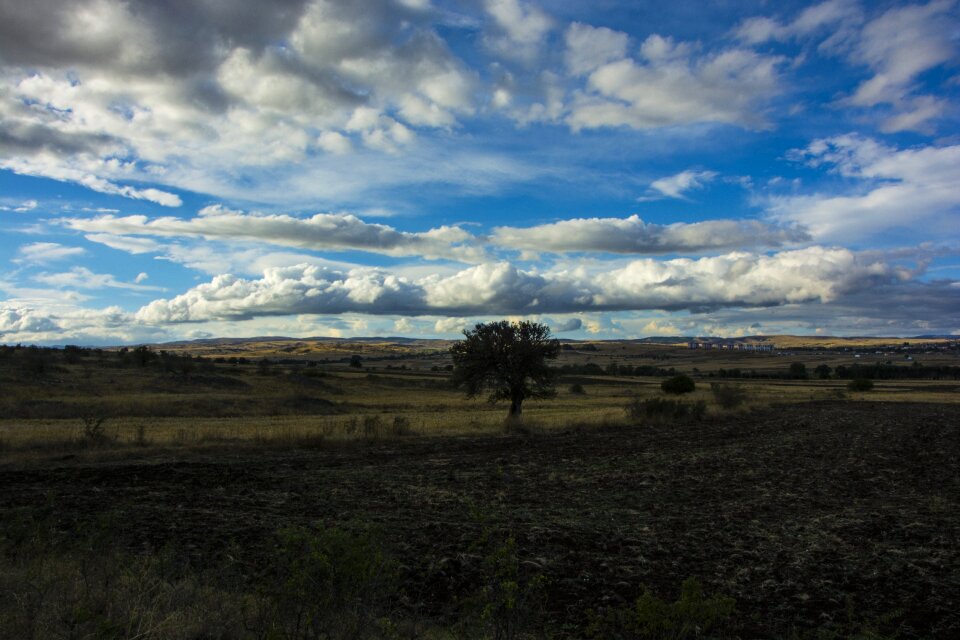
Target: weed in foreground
x,y
510,602
728,396
664,410
650,617
328,582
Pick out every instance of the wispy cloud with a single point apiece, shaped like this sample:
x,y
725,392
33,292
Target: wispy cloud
x,y
678,185
38,253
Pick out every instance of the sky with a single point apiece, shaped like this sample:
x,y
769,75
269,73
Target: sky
x,y
616,169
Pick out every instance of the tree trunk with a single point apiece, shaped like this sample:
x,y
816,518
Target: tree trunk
x,y
516,409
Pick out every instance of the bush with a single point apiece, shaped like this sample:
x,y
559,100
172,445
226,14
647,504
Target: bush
x,y
372,427
798,371
577,389
860,384
728,396
94,430
678,384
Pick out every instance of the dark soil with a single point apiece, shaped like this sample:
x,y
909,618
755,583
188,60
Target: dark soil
x,y
809,516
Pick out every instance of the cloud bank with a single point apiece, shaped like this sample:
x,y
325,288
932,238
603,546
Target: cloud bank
x,y
322,231
633,235
735,279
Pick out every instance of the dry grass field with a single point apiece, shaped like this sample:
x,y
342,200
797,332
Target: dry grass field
x,y
275,490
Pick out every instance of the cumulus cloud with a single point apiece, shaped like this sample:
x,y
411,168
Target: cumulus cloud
x,y
518,30
46,252
589,48
18,320
108,94
633,235
735,279
904,189
67,324
450,325
329,231
671,84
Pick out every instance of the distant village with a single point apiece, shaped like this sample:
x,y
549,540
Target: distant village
x,y
733,346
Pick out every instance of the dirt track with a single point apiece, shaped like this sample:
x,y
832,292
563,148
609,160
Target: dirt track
x,y
801,514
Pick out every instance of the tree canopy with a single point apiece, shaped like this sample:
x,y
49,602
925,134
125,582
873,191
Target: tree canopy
x,y
508,359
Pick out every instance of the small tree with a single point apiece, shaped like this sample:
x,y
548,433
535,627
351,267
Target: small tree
x,y
508,359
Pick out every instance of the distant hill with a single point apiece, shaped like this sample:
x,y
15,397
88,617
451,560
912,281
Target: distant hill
x,y
373,346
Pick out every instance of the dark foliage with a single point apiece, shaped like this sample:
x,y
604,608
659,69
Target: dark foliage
x,y
678,384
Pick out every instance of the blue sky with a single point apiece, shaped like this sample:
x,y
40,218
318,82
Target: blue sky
x,y
409,167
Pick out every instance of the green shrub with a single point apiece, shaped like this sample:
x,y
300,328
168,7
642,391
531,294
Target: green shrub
x,y
860,384
728,396
328,583
577,389
510,601
678,384
691,616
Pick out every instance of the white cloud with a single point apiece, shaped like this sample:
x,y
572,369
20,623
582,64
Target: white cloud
x,y
46,252
19,207
405,326
330,231
832,14
898,46
519,29
731,280
334,142
450,325
60,323
124,243
15,320
84,278
677,185
910,190
589,48
671,85
633,235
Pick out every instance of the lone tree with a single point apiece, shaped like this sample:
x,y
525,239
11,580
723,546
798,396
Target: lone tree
x,y
508,359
